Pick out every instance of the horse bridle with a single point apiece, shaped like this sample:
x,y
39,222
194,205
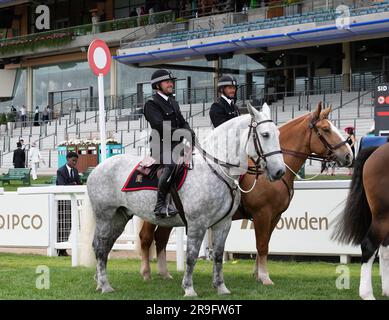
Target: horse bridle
x,y
329,147
258,149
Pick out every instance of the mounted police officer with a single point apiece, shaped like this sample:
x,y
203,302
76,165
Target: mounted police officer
x,y
161,111
224,109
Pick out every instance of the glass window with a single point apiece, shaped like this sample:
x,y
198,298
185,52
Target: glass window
x,y
201,73
66,77
19,96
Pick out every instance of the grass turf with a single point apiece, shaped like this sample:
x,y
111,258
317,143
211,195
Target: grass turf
x,y
42,180
293,280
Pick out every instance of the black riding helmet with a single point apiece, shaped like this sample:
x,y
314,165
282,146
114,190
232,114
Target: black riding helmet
x,y
159,76
226,80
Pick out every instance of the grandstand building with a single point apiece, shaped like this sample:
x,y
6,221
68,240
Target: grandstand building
x,y
291,54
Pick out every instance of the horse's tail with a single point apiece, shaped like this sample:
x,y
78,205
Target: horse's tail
x,y
87,231
353,224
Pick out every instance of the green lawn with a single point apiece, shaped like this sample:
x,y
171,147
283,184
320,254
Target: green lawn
x,y
293,280
42,180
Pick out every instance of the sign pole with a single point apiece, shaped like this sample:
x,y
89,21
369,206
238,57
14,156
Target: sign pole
x,y
99,58
103,148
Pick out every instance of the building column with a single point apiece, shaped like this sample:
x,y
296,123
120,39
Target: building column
x,y
346,66
113,85
29,89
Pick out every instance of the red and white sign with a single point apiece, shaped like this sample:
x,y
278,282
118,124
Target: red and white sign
x,y
99,57
381,100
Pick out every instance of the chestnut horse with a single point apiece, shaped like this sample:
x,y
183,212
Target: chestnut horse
x,y
365,219
309,136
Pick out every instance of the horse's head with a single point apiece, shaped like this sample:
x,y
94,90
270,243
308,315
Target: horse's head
x,y
326,140
263,143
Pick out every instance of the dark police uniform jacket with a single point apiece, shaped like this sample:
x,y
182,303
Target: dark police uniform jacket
x,y
156,111
221,111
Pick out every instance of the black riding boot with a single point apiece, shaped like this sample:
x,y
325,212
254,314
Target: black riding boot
x,y
162,209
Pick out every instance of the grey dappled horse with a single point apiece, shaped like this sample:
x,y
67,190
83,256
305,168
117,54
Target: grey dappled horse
x,y
207,197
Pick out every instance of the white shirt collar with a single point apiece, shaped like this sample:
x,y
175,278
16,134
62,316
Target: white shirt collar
x,y
229,101
69,169
163,95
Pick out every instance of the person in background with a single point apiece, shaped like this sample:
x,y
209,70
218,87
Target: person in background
x,y
19,157
67,175
351,140
36,116
24,147
35,158
23,115
45,115
95,20
324,168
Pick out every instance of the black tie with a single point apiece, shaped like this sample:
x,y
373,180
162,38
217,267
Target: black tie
x,y
72,173
234,108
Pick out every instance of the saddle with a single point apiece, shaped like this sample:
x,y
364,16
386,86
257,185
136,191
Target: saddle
x,y
148,167
145,176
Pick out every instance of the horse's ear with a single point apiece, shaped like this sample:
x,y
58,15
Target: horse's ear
x,y
316,113
326,112
266,110
250,109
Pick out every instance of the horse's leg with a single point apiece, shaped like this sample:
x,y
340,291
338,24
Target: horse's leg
x,y
194,239
262,225
146,236
384,266
161,239
107,231
369,248
219,236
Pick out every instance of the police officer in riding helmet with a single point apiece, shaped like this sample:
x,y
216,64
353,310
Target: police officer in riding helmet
x,y
161,110
224,109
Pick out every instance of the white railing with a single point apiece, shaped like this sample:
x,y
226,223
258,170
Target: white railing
x,y
77,195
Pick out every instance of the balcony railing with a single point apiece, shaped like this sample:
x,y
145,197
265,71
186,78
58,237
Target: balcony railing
x,y
61,37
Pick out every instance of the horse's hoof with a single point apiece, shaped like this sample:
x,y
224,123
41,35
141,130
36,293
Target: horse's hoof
x,y
267,282
189,292
369,297
265,279
222,290
147,277
107,289
166,276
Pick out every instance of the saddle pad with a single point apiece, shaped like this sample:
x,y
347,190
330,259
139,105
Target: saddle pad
x,y
372,141
136,181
